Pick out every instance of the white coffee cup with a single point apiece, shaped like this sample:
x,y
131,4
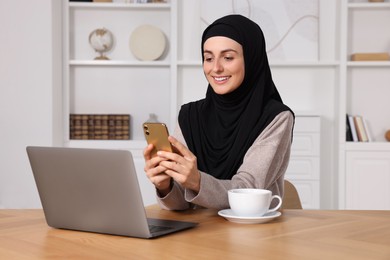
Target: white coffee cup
x,y
252,202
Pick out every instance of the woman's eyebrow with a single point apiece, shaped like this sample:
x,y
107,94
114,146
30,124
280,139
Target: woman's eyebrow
x,y
223,51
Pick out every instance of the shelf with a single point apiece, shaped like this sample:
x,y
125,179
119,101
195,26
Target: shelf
x,y
368,63
137,6
363,91
368,5
119,63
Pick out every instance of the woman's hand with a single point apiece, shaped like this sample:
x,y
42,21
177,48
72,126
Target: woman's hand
x,y
155,172
181,166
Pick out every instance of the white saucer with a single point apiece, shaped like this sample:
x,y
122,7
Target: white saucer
x,y
229,215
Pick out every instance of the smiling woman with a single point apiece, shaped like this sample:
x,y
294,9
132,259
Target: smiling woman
x,y
238,136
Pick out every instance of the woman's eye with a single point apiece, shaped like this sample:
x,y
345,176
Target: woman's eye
x,y
208,59
228,58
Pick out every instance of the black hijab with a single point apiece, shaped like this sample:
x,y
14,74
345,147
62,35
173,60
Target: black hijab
x,y
219,129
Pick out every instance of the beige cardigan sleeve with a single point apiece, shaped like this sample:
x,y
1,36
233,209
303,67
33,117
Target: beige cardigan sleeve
x,y
264,166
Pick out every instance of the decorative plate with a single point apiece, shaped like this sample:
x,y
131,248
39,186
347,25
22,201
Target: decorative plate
x,y
147,43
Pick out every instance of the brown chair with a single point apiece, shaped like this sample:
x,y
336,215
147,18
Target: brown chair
x,y
291,197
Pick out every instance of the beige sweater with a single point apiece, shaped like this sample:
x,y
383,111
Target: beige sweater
x,y
263,167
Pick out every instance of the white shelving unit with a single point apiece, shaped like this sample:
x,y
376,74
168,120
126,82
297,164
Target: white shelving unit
x,y
364,168
122,84
126,85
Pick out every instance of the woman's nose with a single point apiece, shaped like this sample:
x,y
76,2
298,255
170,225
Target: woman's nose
x,y
217,66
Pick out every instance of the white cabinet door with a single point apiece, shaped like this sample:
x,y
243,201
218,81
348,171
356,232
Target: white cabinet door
x,y
368,180
304,167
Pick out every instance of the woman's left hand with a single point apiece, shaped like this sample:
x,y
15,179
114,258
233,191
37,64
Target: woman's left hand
x,y
181,166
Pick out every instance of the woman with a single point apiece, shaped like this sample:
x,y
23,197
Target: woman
x,y
238,136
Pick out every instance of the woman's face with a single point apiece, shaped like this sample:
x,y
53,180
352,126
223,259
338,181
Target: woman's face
x,y
223,64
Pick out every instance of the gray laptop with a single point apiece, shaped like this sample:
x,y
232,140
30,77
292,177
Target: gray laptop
x,y
94,190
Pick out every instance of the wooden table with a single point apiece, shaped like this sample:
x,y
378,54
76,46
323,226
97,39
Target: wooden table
x,y
297,234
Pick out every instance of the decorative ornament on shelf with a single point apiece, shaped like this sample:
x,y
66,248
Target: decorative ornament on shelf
x,y
101,40
148,43
387,135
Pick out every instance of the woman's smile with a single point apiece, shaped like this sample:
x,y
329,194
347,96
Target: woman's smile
x,y
221,80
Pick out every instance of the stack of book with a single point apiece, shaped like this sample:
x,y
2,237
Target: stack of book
x,y
99,127
375,56
357,129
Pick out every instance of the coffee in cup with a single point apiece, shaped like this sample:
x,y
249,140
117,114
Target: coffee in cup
x,y
249,202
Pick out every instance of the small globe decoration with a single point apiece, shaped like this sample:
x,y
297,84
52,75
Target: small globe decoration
x,y
101,41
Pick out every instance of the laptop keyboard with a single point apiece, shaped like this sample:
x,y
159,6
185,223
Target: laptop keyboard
x,y
154,228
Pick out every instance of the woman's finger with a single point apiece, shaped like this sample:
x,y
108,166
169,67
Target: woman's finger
x,y
147,152
184,151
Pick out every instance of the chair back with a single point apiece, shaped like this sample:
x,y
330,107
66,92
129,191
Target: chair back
x,y
291,198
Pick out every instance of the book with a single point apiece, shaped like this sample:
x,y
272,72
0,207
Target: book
x,y
353,128
377,56
361,132
99,127
366,127
348,131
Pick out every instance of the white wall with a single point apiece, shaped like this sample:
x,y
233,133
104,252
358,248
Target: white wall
x,y
30,86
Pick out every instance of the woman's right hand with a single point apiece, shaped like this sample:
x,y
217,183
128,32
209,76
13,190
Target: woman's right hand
x,y
155,172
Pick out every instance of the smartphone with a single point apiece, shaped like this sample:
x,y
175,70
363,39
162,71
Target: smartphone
x,y
157,134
